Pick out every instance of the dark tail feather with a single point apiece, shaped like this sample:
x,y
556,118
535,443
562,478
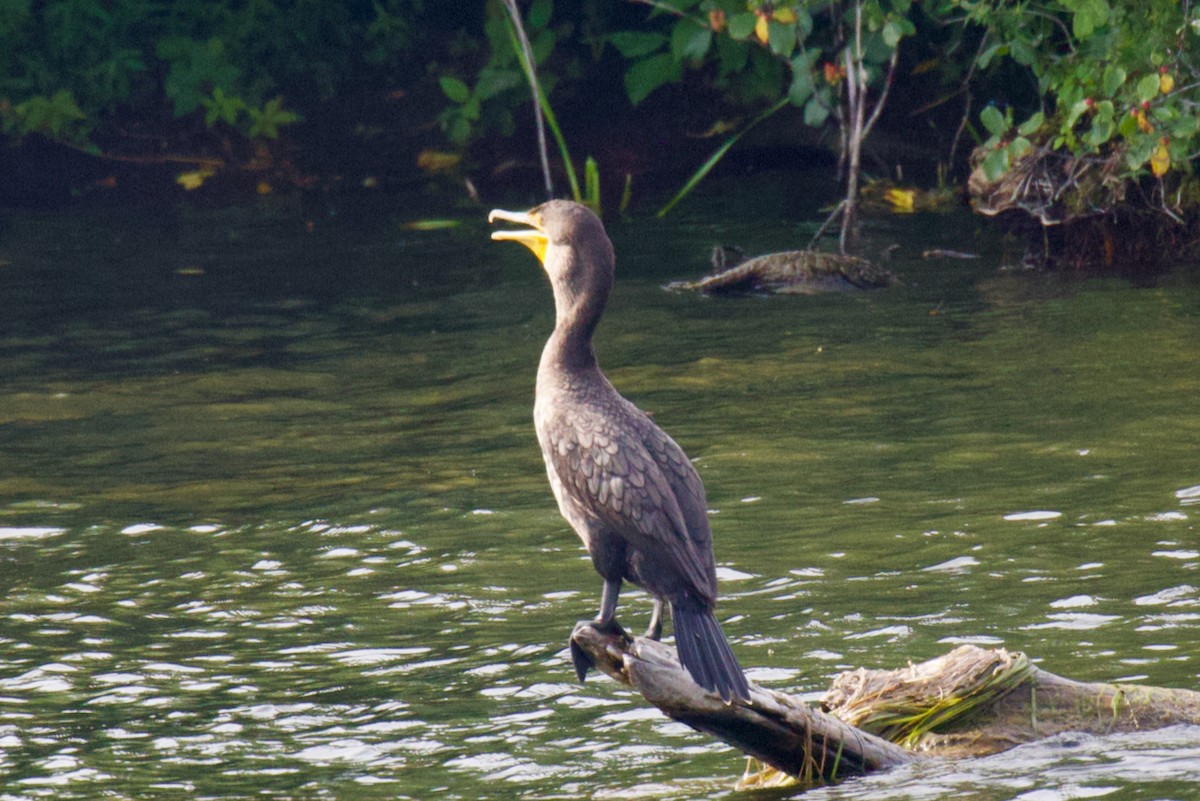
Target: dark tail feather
x,y
706,654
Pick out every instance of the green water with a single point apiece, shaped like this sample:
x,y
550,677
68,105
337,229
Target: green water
x,y
273,521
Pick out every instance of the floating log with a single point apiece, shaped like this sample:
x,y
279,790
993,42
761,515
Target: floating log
x,y
803,272
970,702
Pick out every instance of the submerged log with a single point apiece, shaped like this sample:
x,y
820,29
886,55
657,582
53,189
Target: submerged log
x,y
800,272
970,702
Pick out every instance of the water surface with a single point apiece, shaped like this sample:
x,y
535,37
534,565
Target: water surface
x,y
273,521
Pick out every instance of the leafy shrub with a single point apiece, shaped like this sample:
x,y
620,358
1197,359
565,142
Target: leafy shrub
x,y
1114,80
73,67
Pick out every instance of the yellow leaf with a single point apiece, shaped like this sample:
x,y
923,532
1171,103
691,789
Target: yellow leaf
x,y
1160,162
785,15
429,225
436,162
194,179
1144,124
901,199
1166,82
761,31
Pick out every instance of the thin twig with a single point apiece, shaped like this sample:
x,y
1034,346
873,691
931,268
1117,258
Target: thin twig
x,y
828,221
155,158
531,71
887,87
966,87
670,9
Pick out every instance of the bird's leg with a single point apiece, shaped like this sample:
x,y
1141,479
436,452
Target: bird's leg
x,y
605,622
654,630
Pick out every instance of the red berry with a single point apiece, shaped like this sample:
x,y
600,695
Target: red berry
x,y
1145,105
1162,70
1087,101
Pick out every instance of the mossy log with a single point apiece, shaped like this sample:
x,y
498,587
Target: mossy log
x,y
973,702
970,702
797,272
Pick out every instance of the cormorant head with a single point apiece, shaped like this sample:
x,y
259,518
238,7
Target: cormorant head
x,y
570,242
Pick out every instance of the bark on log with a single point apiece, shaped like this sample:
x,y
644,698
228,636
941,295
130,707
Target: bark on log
x,y
777,729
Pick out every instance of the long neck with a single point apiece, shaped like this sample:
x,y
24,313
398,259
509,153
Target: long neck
x,y
580,295
570,346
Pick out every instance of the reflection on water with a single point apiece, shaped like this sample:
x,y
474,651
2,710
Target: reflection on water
x,y
273,521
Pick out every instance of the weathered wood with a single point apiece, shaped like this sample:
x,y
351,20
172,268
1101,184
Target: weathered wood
x,y
970,702
1037,704
778,729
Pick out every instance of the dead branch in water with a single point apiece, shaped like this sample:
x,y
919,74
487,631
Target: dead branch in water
x,y
778,729
970,702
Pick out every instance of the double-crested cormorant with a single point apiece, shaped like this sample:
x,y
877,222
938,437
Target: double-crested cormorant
x,y
626,488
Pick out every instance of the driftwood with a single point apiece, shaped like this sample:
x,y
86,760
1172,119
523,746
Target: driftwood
x,y
1030,705
775,728
969,702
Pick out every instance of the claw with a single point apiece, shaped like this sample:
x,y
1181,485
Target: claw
x,y
654,630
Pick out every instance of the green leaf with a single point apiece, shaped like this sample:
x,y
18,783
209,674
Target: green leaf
x,y
742,25
815,113
804,22
635,44
1078,109
266,122
892,33
689,41
1147,88
539,14
458,131
648,74
1089,15
781,38
996,164
993,119
455,89
494,81
1114,77
1018,147
1022,52
1032,125
1139,151
1128,126
1102,124
988,54
801,88
542,44
1185,126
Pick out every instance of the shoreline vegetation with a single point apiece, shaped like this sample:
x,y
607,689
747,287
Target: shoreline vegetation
x,y
1072,122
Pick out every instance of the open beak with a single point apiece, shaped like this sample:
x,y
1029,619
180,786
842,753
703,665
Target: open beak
x,y
532,237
